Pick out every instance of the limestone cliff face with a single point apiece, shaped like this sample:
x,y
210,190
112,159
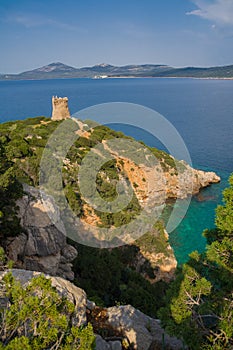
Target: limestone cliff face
x,y
162,265
170,185
154,184
60,108
42,247
179,181
188,182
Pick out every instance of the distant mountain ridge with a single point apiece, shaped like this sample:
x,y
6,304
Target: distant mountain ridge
x,y
60,70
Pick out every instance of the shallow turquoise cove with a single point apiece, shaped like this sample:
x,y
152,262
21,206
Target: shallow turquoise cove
x,y
200,215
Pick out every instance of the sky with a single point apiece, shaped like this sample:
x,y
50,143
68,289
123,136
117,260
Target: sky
x,y
119,32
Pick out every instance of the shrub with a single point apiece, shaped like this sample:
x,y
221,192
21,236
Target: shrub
x,y
37,318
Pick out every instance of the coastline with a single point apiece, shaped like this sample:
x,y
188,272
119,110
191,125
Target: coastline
x,y
200,78
118,77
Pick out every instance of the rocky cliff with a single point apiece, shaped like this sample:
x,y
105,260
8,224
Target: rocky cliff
x,y
41,247
153,183
159,259
188,182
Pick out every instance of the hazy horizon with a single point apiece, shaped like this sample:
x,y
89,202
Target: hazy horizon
x,y
179,34
122,65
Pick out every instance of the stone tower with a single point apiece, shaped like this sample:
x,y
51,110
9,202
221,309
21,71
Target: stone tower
x,y
60,108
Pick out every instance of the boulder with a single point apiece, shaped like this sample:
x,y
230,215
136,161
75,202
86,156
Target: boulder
x,y
142,331
115,345
101,344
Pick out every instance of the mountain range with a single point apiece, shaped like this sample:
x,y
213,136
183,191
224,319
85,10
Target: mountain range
x,y
60,70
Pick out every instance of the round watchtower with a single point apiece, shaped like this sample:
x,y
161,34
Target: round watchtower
x,y
60,108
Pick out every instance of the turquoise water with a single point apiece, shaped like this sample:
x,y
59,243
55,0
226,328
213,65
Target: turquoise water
x,y
200,215
201,110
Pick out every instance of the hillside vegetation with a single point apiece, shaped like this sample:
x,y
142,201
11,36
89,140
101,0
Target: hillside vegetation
x,y
199,303
36,317
197,307
22,144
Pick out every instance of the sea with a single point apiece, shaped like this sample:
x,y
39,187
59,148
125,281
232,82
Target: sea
x,y
200,109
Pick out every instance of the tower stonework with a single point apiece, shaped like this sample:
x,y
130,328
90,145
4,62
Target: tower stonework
x,y
60,108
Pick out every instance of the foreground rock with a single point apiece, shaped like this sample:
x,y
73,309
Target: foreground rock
x,y
134,328
127,325
42,247
142,331
75,295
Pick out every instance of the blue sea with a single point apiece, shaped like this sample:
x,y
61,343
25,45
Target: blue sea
x,y
201,111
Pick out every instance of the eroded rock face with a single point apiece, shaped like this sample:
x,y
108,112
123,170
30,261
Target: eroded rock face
x,y
160,184
188,182
42,247
164,266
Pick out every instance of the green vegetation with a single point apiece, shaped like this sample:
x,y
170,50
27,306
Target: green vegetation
x,y
155,241
199,304
107,179
10,191
21,147
109,277
23,143
37,318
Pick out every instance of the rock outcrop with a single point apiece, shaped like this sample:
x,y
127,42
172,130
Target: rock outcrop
x,y
66,289
128,326
42,247
101,344
163,266
134,329
141,331
60,108
188,181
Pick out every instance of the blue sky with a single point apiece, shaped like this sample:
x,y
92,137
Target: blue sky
x,y
88,32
